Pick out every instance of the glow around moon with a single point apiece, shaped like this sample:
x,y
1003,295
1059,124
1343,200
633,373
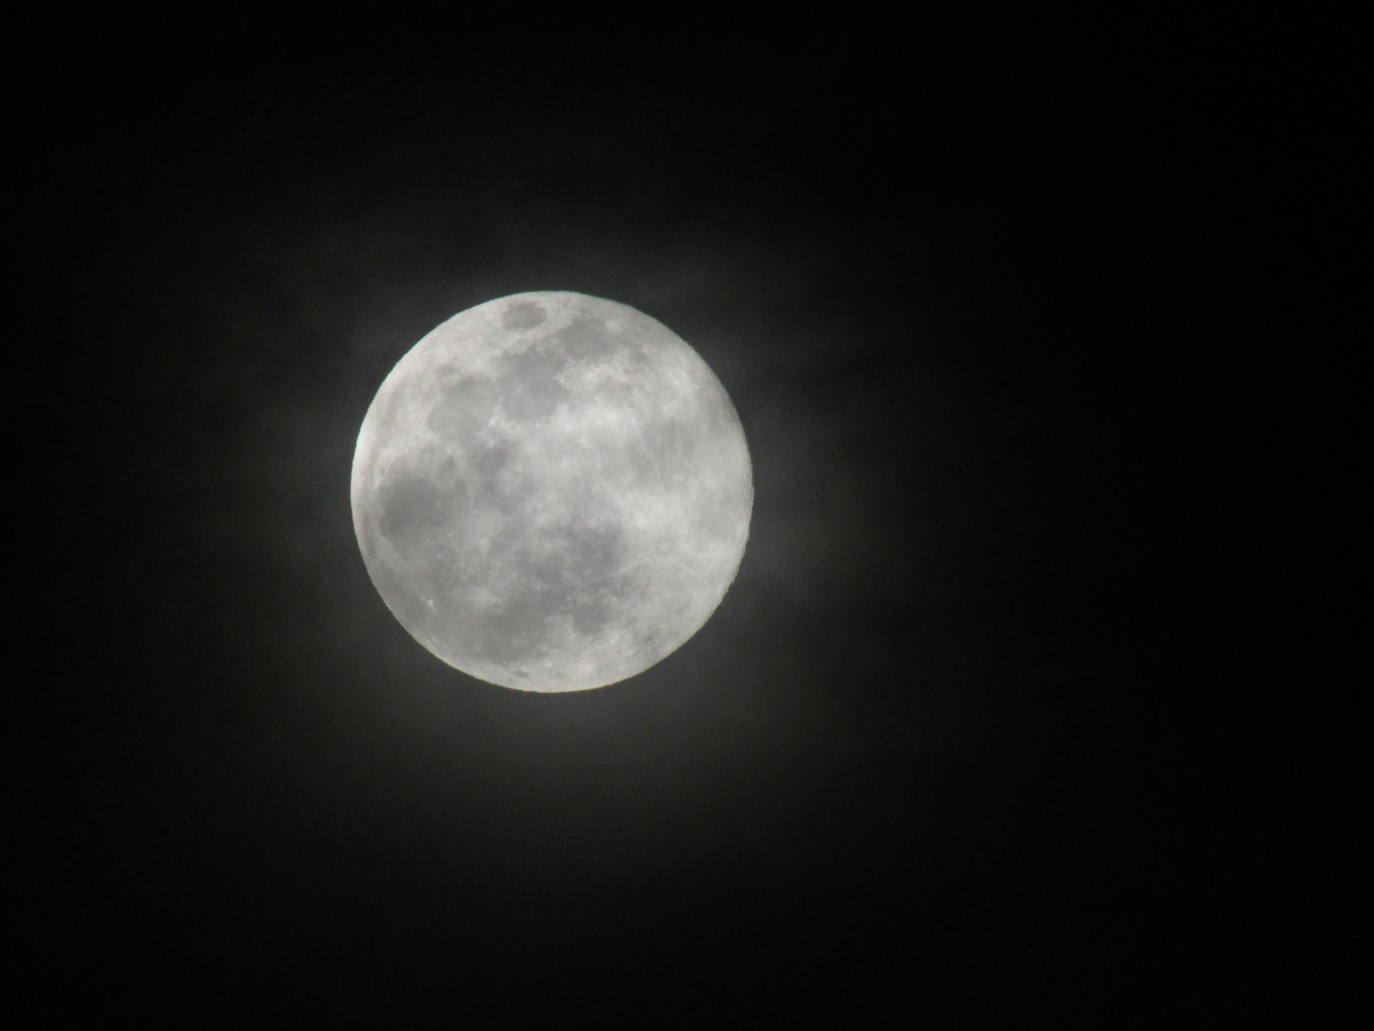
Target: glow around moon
x,y
551,491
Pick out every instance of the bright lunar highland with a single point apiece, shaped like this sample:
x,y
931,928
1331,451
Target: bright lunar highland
x,y
551,491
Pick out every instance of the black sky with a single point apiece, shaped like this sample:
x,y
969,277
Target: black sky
x,y
973,734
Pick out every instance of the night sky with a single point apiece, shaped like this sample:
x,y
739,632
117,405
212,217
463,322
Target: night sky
x,y
974,736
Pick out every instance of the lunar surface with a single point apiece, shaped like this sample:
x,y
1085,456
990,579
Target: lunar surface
x,y
551,491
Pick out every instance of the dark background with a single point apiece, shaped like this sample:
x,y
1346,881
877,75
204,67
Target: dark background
x,y
982,728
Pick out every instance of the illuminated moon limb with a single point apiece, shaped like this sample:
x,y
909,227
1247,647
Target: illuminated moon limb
x,y
551,491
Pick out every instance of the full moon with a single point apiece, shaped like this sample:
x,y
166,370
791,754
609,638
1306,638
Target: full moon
x,y
551,491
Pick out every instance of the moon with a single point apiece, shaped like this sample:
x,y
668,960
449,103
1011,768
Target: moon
x,y
551,491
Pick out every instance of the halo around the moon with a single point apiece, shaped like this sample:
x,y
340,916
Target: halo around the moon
x,y
551,491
